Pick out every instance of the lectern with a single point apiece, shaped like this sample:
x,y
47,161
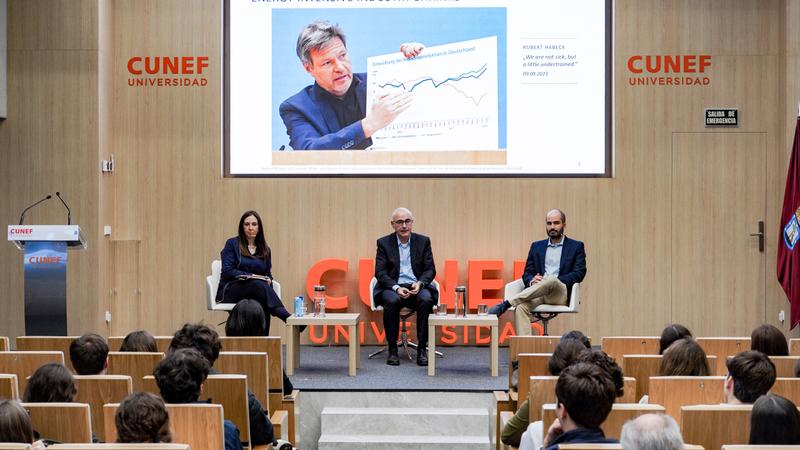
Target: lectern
x,y
45,263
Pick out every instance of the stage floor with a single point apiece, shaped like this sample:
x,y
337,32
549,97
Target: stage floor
x,y
463,369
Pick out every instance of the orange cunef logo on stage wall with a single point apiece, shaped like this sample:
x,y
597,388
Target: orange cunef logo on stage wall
x,y
669,70
172,71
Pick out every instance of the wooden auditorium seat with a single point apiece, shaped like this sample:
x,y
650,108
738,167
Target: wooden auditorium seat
x,y
611,447
134,364
14,446
722,347
5,344
23,364
674,392
503,418
642,367
760,447
162,343
143,446
794,347
530,364
197,424
715,425
616,346
542,390
97,390
784,365
612,427
788,388
253,364
64,422
9,388
47,344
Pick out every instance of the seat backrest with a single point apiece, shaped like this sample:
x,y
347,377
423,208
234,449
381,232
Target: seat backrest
x,y
642,367
542,390
530,364
97,390
760,447
9,389
212,283
230,391
374,282
64,422
787,387
14,446
197,424
162,343
23,364
722,347
714,425
47,344
613,447
271,345
616,346
575,298
784,365
794,346
5,344
134,364
513,288
674,392
143,446
612,427
531,344
253,364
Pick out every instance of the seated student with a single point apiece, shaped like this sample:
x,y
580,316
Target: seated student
x,y
247,318
774,421
684,357
51,383
565,353
139,341
206,341
585,395
142,417
651,432
769,340
670,334
89,354
577,334
750,375
180,377
15,425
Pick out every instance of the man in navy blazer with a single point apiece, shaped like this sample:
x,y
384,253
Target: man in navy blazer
x,y
332,113
552,267
404,269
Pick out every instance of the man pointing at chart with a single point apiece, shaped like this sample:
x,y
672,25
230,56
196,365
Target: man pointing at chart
x,y
332,113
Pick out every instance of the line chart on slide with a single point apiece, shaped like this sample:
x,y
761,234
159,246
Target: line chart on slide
x,y
454,97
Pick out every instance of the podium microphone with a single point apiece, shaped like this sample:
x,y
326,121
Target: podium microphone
x,y
69,212
22,216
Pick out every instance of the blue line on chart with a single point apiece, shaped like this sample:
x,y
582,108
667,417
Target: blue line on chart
x,y
470,74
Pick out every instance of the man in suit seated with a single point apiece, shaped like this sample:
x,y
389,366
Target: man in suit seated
x,y
553,266
404,268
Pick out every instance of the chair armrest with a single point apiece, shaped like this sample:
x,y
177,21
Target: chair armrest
x,y
292,397
280,424
500,396
513,396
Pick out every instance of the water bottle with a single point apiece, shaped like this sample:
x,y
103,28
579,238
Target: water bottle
x,y
461,301
298,306
319,301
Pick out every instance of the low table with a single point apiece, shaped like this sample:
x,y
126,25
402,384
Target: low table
x,y
471,319
350,320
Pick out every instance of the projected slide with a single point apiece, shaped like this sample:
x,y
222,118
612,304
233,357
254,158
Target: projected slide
x,y
501,88
454,89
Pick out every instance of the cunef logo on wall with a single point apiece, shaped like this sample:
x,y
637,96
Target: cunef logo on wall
x,y
669,70
167,71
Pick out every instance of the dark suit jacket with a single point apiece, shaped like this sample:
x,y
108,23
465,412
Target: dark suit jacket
x,y
571,270
312,125
387,263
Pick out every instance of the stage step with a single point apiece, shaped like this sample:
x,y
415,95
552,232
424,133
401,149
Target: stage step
x,y
404,428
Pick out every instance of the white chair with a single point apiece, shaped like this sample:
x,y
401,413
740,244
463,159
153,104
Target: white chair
x,y
212,283
405,313
545,313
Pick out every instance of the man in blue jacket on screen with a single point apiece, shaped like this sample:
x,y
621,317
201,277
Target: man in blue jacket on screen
x,y
553,266
332,113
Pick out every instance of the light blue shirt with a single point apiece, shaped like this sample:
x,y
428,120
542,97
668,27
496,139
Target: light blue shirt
x,y
552,258
406,272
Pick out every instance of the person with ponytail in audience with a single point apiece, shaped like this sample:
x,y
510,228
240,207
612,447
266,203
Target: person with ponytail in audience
x,y
774,421
769,340
670,334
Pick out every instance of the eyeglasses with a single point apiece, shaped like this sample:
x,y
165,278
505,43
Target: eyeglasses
x,y
406,222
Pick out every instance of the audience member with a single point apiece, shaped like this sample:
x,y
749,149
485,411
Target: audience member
x,y
142,417
774,421
670,334
50,383
600,359
684,357
585,395
139,341
750,375
15,425
180,377
769,340
651,432
577,334
89,354
206,341
566,352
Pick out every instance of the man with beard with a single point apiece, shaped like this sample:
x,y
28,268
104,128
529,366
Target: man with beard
x,y
553,266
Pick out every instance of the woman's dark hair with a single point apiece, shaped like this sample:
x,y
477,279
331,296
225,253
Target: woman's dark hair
x,y
577,334
50,383
684,357
15,423
566,353
247,318
142,417
262,249
139,341
600,359
670,334
181,374
774,421
769,340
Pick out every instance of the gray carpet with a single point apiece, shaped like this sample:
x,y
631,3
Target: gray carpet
x,y
463,369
